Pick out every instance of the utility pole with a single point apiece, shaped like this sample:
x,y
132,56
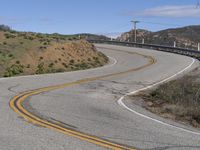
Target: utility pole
x,y
135,29
198,46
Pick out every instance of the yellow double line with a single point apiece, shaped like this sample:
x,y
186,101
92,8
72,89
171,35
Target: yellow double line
x,y
16,105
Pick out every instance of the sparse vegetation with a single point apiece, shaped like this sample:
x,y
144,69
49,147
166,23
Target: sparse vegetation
x,y
178,99
28,66
71,61
40,68
10,55
44,53
51,65
14,70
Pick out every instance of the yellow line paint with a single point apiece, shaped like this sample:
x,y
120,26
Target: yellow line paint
x,y
16,105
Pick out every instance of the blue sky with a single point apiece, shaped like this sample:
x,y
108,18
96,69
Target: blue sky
x,y
108,17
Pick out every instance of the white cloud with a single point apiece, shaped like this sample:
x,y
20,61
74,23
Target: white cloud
x,y
172,11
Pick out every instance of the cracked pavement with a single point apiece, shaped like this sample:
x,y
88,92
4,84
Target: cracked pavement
x,y
92,107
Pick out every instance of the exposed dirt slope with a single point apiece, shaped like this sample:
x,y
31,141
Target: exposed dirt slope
x,y
23,53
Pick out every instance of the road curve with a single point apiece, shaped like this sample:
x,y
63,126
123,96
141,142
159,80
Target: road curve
x,y
83,105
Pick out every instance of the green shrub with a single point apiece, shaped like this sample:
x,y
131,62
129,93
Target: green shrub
x,y
10,55
65,65
40,68
13,70
71,61
17,62
51,65
59,70
28,66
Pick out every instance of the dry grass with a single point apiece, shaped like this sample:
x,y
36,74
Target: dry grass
x,y
178,100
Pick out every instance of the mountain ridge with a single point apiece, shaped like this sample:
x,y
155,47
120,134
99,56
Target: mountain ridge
x,y
185,37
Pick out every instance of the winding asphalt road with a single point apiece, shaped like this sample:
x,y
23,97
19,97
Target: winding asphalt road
x,y
81,109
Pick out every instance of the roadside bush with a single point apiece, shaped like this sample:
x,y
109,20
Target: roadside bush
x,y
10,55
13,70
40,68
51,65
180,98
71,61
65,65
17,62
28,66
41,58
184,91
59,70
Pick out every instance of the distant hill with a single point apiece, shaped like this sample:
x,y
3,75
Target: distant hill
x,y
93,36
186,37
4,28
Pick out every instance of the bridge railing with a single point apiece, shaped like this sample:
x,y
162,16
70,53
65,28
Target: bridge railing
x,y
177,50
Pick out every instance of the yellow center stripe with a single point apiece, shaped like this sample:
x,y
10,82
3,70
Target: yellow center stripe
x,y
16,105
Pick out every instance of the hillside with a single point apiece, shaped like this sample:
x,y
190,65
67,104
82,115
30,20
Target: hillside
x,y
186,37
93,36
25,53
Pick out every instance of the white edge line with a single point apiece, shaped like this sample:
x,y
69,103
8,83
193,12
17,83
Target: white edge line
x,y
37,75
121,103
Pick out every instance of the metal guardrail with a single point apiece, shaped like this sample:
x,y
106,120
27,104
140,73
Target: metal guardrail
x,y
182,51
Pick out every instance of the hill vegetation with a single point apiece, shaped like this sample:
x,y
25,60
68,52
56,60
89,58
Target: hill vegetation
x,y
25,53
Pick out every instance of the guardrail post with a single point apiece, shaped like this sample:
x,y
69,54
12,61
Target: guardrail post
x,y
174,43
142,41
178,50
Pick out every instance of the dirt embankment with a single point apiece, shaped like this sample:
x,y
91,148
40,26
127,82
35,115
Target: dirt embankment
x,y
25,53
